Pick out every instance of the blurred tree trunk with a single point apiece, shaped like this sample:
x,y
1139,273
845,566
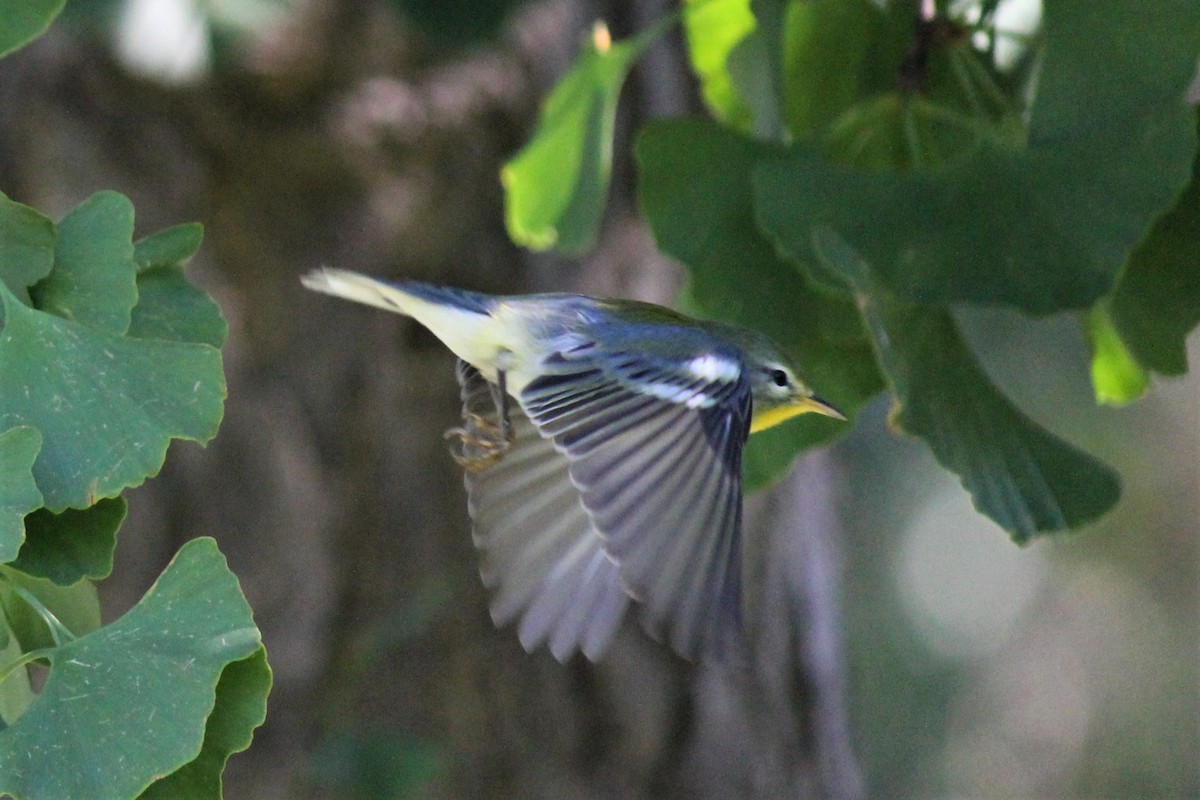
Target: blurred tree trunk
x,y
329,486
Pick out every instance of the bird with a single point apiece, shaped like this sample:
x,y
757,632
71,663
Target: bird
x,y
602,448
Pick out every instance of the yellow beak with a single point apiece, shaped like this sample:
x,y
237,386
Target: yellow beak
x,y
816,405
769,418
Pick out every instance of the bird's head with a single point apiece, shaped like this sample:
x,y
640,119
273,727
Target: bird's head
x,y
777,391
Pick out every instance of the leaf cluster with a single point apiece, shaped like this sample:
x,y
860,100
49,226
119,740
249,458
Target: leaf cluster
x,y
868,170
107,354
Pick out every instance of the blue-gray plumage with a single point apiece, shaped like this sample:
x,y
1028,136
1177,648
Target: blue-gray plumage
x,y
615,476
450,296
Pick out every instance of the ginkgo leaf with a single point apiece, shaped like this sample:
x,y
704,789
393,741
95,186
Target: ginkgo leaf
x,y
16,691
167,247
73,544
240,708
19,494
93,280
26,247
1117,377
169,306
1157,302
25,21
713,29
128,703
836,52
1022,476
172,308
107,406
1044,223
556,186
755,66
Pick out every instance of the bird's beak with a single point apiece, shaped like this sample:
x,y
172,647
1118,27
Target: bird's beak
x,y
799,404
816,405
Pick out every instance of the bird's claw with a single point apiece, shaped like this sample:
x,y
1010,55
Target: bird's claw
x,y
483,442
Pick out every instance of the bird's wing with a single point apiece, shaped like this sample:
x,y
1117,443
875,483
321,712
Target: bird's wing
x,y
541,554
655,450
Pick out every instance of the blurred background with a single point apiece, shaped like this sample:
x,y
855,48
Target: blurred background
x,y
905,647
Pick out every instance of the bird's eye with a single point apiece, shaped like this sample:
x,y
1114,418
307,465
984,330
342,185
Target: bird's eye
x,y
779,377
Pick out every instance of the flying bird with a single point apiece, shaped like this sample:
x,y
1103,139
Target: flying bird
x,y
602,446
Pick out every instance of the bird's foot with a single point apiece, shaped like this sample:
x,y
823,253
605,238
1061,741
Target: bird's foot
x,y
483,442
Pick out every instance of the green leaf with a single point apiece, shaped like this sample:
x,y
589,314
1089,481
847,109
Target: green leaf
x,y
556,186
836,52
72,545
22,21
694,188
713,28
26,247
19,494
77,607
93,281
755,66
240,708
127,703
800,66
1045,226
168,247
1117,378
171,308
16,691
1157,302
86,390
1025,478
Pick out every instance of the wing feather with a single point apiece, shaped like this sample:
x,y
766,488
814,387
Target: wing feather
x,y
541,553
657,461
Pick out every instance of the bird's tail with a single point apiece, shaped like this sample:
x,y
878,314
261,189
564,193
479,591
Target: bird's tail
x,y
405,297
461,319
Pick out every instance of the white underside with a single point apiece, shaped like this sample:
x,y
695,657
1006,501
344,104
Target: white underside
x,y
488,342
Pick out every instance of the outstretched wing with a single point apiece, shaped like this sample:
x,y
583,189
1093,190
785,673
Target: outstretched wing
x,y
541,554
654,445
